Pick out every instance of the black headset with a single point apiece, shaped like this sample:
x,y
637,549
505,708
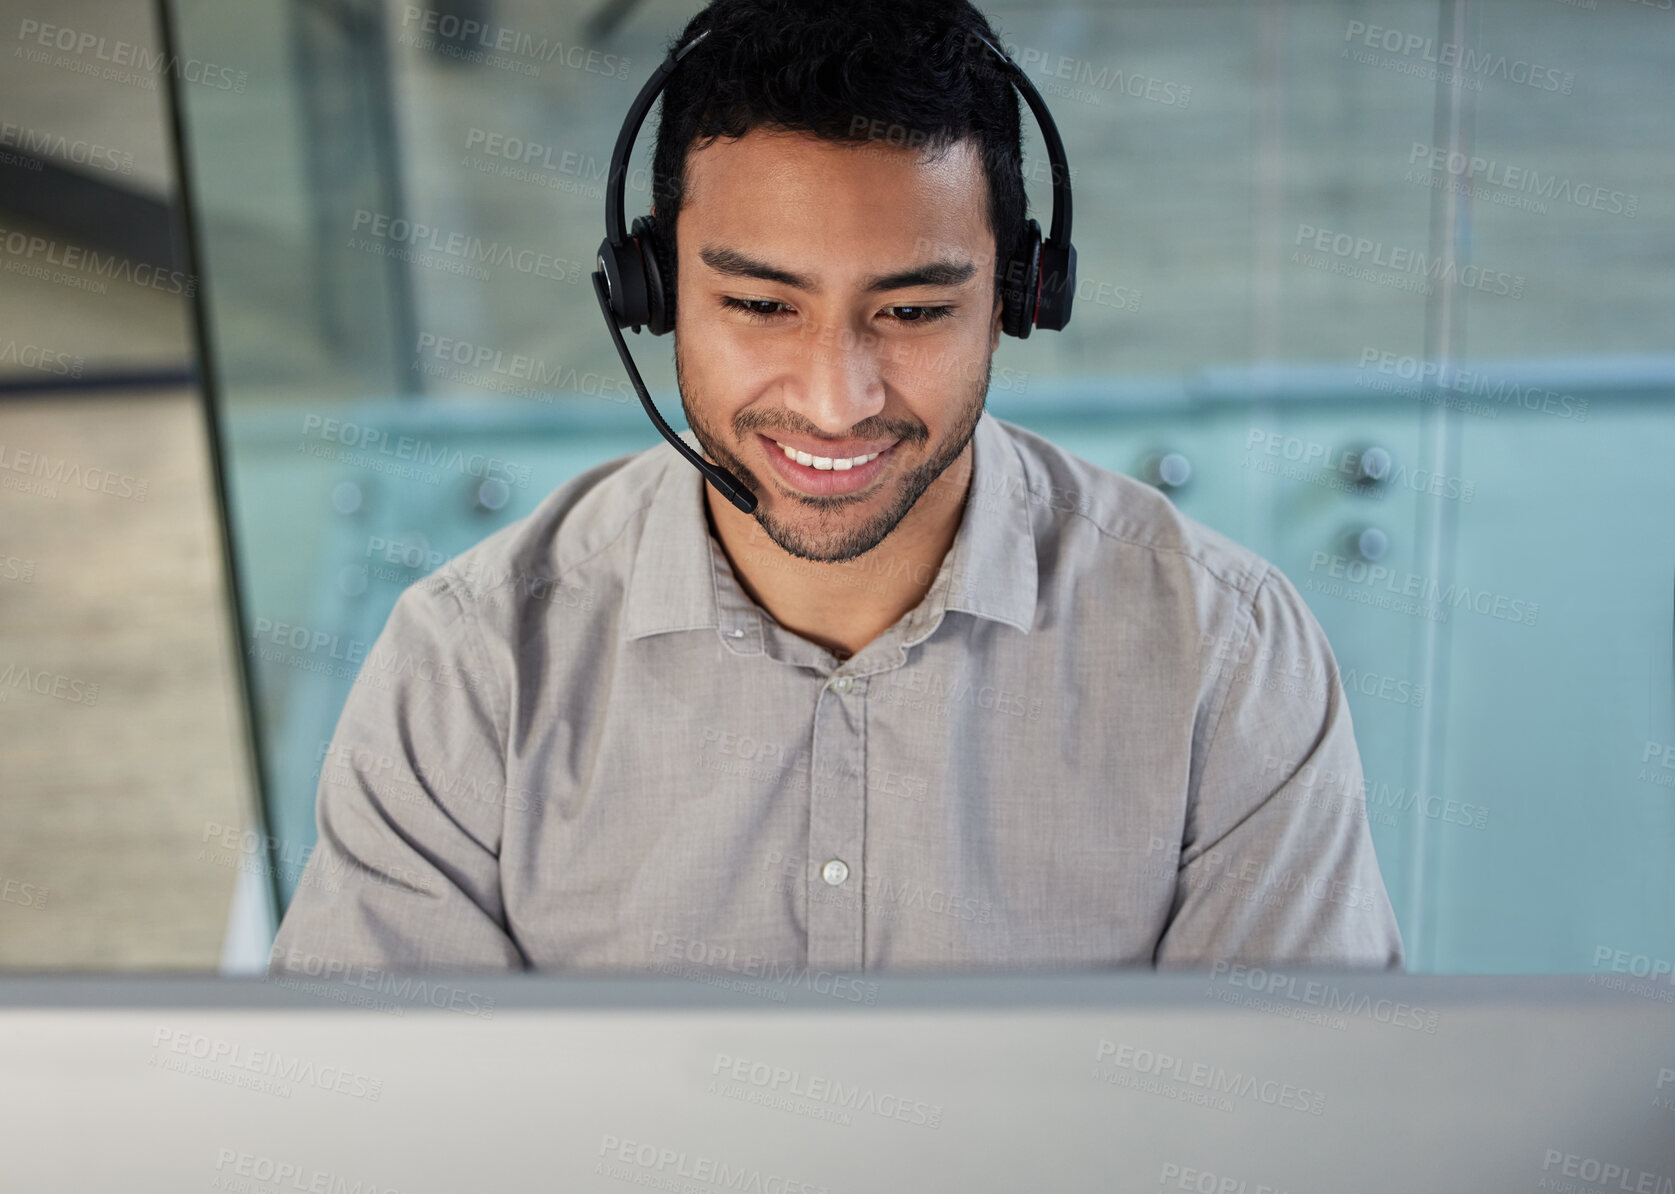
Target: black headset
x,y
1037,283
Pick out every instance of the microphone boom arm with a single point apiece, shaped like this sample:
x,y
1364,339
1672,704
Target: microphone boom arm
x,y
729,486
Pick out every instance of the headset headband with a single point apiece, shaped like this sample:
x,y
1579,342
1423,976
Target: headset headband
x,y
615,227
1058,233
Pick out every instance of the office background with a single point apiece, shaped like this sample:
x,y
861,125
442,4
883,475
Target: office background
x,y
1378,289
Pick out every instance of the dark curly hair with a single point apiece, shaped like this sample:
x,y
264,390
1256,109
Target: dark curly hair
x,y
901,72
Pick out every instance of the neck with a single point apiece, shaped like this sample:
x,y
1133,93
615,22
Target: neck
x,y
844,606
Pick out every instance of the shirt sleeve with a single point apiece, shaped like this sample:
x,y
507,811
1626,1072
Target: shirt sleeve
x,y
1276,863
405,874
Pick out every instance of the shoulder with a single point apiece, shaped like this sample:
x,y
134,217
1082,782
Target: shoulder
x,y
563,550
1117,522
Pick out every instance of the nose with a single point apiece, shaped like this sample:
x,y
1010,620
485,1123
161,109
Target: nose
x,y
838,379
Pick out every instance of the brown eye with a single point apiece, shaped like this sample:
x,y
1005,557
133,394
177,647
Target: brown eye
x,y
918,314
752,308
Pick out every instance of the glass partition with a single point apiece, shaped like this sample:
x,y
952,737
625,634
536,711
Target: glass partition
x,y
1378,290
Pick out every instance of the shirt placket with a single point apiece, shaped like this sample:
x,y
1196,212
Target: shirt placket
x,y
836,822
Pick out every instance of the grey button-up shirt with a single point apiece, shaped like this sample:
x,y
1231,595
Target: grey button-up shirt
x,y
580,745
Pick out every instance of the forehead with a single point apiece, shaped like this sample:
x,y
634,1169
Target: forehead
x,y
870,203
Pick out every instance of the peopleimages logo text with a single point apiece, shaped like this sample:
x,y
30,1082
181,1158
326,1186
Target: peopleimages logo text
x,y
1364,251
1428,588
1481,64
491,38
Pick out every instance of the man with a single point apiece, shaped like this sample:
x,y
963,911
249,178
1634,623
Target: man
x,y
950,698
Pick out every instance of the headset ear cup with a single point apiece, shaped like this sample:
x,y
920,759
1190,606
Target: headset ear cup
x,y
626,283
660,276
1018,287
1058,286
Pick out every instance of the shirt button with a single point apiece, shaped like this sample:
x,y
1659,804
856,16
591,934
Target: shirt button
x,y
736,633
841,684
834,872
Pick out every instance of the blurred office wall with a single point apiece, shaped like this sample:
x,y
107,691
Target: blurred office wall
x,y
120,724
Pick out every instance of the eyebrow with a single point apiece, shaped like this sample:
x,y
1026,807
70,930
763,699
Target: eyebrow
x,y
741,265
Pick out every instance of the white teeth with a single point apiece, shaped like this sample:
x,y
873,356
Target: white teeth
x,y
827,463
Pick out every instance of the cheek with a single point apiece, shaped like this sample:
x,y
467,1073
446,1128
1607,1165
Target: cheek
x,y
710,346
949,365
736,364
719,372
716,339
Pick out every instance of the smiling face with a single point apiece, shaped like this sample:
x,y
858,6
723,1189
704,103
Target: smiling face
x,y
839,299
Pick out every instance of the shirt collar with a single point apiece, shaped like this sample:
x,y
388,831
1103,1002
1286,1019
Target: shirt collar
x,y
682,579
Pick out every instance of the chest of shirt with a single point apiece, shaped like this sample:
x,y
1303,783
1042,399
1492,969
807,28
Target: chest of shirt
x,y
747,816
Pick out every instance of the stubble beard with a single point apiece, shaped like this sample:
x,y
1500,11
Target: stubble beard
x,y
832,539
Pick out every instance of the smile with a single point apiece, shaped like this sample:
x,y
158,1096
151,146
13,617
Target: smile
x,y
825,475
837,464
